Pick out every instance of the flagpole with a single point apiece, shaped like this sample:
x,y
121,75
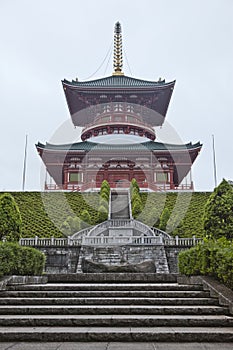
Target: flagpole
x,y
25,163
214,160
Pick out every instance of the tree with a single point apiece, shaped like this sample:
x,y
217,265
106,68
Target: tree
x,y
136,207
105,187
103,202
70,225
102,214
164,219
218,214
65,228
134,185
136,202
134,193
105,194
85,219
10,218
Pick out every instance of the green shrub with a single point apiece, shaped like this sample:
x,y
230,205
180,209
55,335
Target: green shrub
x,y
105,195
36,220
164,219
65,228
136,207
135,194
134,186
186,219
85,219
136,202
103,203
10,218
212,258
17,260
218,218
102,214
105,190
70,225
46,220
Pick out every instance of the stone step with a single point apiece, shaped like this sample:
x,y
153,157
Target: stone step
x,y
132,334
106,286
113,278
108,301
104,293
116,321
113,309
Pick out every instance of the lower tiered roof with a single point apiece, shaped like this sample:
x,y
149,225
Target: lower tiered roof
x,y
150,145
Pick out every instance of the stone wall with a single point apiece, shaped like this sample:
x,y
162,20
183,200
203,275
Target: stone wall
x,y
172,253
68,259
61,259
128,254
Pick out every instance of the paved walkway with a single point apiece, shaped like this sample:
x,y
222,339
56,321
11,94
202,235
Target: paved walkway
x,y
116,346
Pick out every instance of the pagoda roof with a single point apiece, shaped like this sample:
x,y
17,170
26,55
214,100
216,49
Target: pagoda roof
x,y
153,96
150,145
118,81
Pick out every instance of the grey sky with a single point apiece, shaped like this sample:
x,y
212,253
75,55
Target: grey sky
x,y
45,41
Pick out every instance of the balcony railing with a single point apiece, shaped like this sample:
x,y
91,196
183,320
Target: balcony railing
x,y
92,186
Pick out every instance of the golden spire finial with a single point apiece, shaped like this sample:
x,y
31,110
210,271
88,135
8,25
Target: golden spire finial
x,y
117,58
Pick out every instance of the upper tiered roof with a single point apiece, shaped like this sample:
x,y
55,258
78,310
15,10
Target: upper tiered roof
x,y
122,81
82,96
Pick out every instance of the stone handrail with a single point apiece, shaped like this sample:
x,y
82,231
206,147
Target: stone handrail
x,y
124,223
47,242
184,242
81,233
110,205
108,240
157,231
102,240
130,206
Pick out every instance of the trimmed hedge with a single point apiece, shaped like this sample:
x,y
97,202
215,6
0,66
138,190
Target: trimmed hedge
x,y
218,218
36,220
192,211
213,258
17,260
10,218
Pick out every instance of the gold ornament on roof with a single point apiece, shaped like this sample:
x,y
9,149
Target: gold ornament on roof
x,y
117,57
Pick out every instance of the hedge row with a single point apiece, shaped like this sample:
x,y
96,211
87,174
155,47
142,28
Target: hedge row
x,y
17,260
36,219
43,213
213,258
186,211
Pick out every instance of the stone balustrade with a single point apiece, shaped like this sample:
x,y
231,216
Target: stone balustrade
x,y
101,240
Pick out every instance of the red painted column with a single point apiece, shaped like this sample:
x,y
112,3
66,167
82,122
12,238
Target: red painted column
x,y
171,171
65,177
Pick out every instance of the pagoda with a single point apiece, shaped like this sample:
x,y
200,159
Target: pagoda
x,y
118,115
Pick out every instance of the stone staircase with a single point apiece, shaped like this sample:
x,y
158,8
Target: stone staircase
x,y
112,307
120,205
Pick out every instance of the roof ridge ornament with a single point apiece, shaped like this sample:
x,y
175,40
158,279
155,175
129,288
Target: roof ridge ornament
x,y
117,56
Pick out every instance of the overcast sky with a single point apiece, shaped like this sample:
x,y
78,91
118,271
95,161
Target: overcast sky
x,y
44,41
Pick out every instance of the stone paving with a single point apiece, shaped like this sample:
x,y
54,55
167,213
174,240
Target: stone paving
x,y
116,346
